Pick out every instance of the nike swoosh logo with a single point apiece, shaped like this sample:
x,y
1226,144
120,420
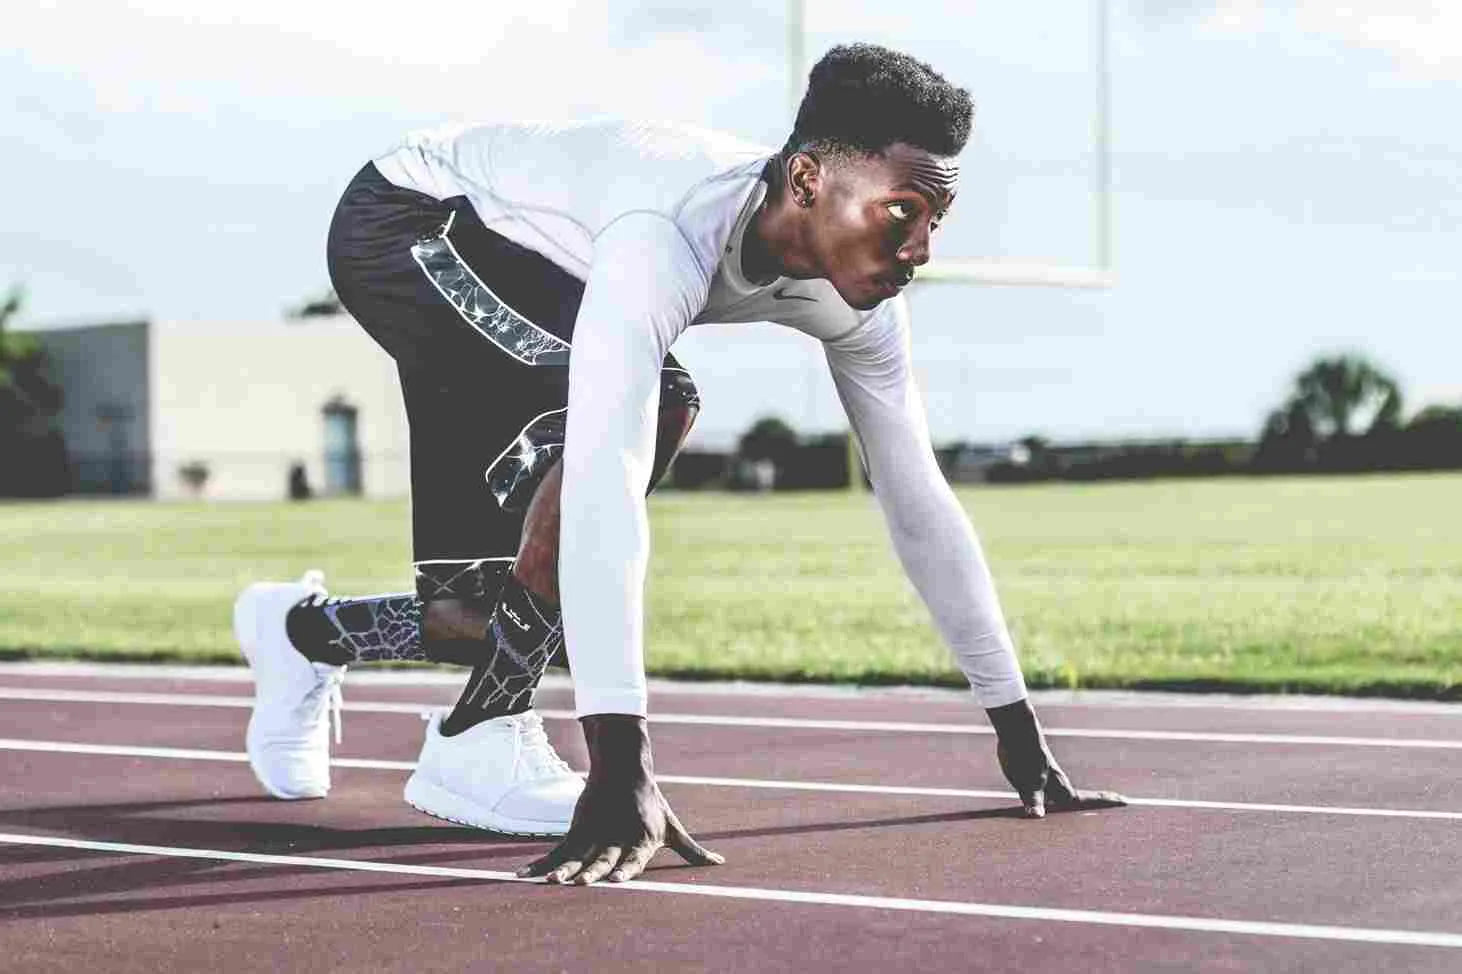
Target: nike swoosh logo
x,y
782,295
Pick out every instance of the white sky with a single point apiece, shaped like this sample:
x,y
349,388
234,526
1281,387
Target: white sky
x,y
1424,37
1289,175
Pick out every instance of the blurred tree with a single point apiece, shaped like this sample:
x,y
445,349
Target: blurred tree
x,y
1348,396
1288,440
763,454
1336,402
768,439
1437,417
32,454
1032,449
318,307
28,398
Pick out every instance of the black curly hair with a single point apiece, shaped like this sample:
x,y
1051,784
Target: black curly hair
x,y
863,98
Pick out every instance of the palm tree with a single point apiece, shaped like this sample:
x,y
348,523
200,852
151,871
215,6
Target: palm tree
x,y
1348,396
1338,405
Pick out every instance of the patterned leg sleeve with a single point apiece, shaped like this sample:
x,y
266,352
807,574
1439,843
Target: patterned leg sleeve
x,y
364,630
524,635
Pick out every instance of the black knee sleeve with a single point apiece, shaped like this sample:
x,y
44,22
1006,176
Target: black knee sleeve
x,y
680,403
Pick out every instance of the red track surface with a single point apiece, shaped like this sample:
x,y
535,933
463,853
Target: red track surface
x,y
70,908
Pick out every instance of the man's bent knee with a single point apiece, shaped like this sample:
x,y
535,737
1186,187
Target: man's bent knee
x,y
537,563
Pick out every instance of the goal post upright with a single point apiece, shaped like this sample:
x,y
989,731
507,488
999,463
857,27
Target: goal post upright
x,y
1102,134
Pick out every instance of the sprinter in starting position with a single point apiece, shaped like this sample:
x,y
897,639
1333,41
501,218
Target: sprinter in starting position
x,y
529,280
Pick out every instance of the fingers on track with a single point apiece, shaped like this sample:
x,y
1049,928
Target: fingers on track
x,y
566,851
678,839
566,871
599,866
634,862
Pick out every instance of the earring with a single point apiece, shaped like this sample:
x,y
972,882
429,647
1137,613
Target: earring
x,y
804,200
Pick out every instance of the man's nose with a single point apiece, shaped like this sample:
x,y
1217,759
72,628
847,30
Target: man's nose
x,y
915,250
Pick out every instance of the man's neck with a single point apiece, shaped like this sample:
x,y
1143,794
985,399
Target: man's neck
x,y
773,244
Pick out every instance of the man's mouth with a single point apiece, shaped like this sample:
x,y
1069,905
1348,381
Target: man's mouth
x,y
895,282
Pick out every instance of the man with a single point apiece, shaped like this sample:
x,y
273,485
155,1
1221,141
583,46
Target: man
x,y
477,258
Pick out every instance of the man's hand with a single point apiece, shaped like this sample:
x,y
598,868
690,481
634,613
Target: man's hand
x,y
621,819
1030,766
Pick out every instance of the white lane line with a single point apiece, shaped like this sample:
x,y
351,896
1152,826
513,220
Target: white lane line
x,y
376,764
1411,813
125,751
191,700
453,678
1306,931
1102,733
732,720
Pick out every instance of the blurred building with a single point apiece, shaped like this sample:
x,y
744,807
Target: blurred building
x,y
243,410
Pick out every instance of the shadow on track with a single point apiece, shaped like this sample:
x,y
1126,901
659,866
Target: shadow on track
x,y
137,823
870,823
74,908
38,897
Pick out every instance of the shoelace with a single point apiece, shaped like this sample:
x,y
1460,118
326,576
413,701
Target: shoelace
x,y
326,693
538,753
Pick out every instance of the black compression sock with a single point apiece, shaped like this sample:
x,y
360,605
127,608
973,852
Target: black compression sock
x,y
383,627
524,634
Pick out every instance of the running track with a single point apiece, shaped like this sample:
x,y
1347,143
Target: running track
x,y
863,830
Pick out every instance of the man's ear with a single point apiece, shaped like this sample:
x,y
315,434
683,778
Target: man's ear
x,y
804,177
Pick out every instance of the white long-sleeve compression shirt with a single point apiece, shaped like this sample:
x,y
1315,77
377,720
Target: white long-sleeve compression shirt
x,y
651,217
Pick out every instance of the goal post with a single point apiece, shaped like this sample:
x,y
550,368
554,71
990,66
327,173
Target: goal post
x,y
1015,273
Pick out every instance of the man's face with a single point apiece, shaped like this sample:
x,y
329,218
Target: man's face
x,y
873,216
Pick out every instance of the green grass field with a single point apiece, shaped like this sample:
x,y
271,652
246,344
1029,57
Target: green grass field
x,y
1349,585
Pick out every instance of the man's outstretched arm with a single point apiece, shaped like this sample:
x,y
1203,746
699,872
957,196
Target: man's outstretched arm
x,y
643,289
940,552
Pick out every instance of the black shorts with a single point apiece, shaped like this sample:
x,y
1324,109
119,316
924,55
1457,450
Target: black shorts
x,y
480,329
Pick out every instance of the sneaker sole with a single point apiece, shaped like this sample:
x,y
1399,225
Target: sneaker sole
x,y
438,802
256,763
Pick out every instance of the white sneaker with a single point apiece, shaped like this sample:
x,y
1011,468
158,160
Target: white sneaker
x,y
294,698
501,775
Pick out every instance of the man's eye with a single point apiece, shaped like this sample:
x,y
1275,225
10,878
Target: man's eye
x,y
900,211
